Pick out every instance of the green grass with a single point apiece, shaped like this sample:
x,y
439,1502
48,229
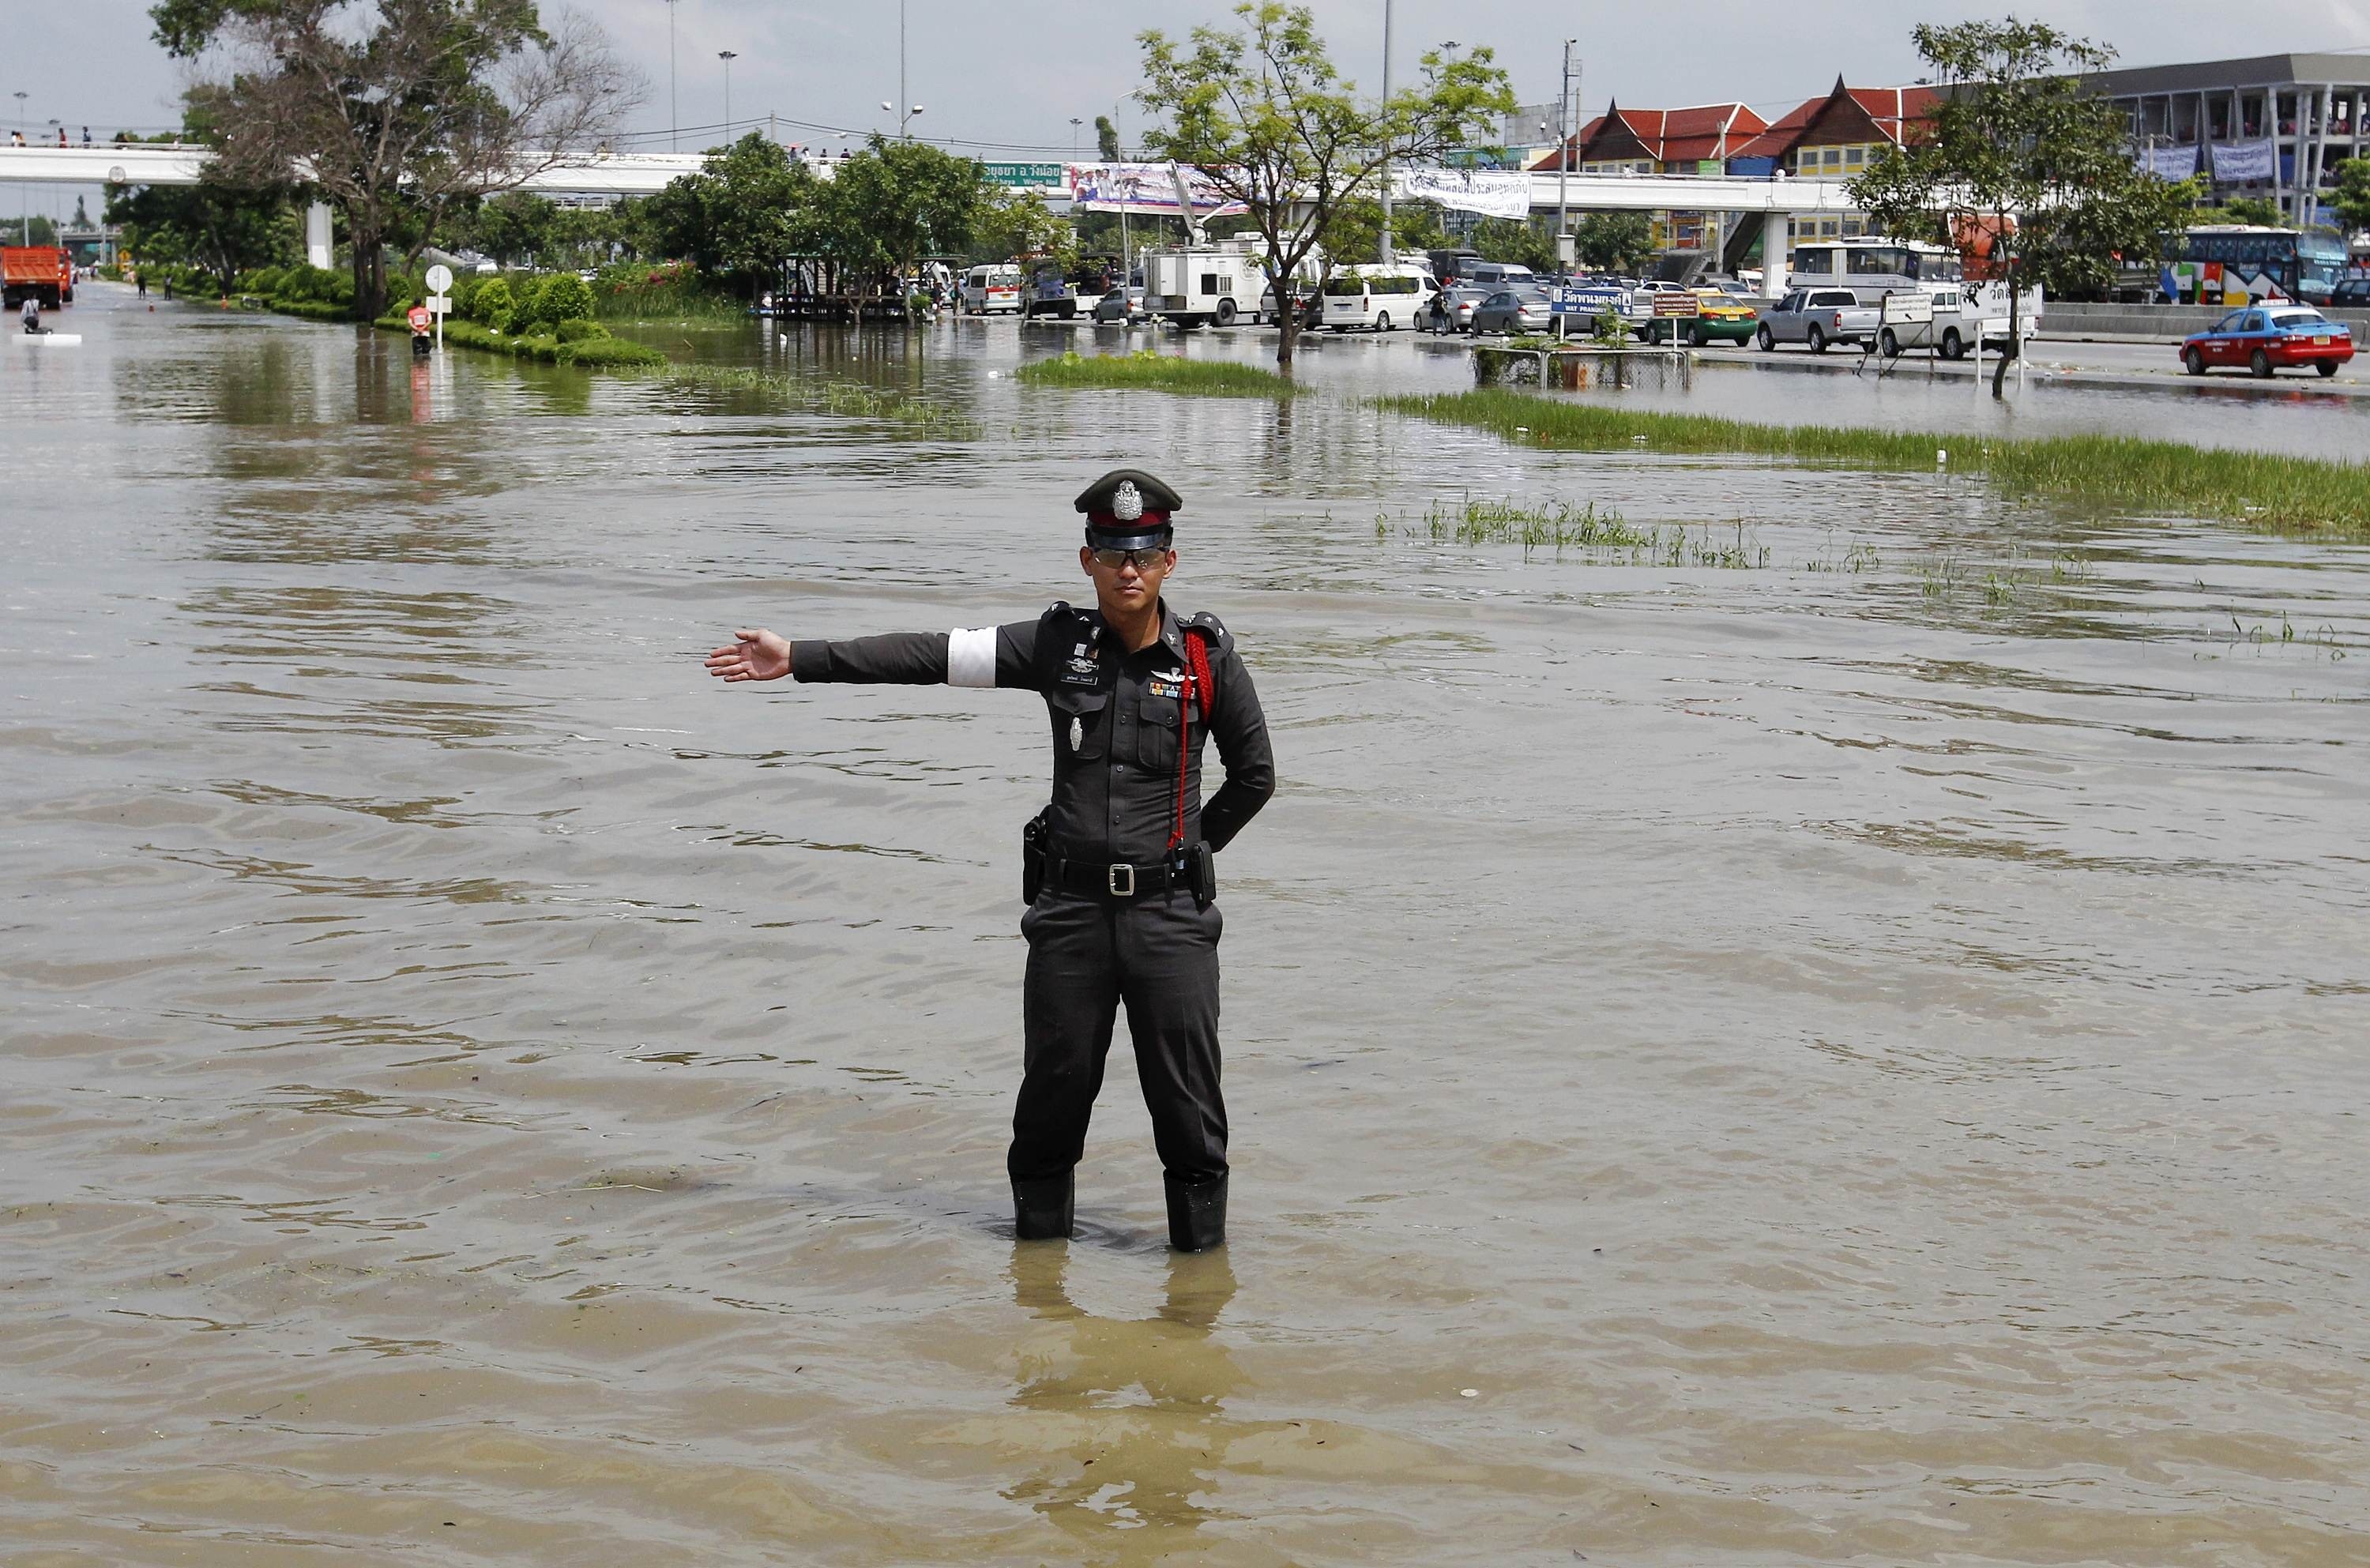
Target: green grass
x,y
1561,526
1167,372
656,296
848,400
599,351
2121,473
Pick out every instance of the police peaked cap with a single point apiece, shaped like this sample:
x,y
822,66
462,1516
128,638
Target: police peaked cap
x,y
1127,509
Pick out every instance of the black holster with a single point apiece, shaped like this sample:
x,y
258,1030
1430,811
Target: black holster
x,y
1201,874
1033,852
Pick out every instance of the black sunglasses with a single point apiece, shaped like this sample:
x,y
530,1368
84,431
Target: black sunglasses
x,y
1144,559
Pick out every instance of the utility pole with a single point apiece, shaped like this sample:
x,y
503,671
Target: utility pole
x,y
1390,251
674,116
1563,160
727,56
903,115
1075,123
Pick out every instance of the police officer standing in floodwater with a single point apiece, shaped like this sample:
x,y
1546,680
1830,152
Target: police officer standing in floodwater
x,y
1117,871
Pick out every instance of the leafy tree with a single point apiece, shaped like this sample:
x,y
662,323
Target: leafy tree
x,y
512,227
1017,223
1105,139
1510,239
1356,231
2259,210
1608,242
895,203
2024,146
1270,121
2352,200
220,229
31,229
747,212
400,112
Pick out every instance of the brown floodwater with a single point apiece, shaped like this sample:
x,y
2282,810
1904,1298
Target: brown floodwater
x,y
1834,1034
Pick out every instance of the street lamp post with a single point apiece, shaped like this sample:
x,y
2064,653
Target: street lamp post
x,y
1563,158
727,56
675,114
1389,251
1075,123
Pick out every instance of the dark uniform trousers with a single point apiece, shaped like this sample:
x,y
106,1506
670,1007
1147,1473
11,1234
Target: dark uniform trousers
x,y
1086,955
1114,719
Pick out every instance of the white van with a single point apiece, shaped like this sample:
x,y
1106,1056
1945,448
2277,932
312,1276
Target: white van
x,y
1378,298
986,290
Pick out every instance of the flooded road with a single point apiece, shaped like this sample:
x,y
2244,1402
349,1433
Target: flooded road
x,y
1832,1034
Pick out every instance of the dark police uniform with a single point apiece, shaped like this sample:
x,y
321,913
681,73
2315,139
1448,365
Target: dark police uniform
x,y
1121,910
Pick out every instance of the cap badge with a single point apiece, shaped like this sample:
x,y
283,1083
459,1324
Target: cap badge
x,y
1127,502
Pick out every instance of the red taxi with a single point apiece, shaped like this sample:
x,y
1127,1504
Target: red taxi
x,y
2265,338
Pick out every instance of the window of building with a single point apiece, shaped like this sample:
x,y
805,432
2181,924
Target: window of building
x,y
1855,156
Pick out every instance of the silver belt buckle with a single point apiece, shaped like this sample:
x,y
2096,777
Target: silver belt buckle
x,y
1122,882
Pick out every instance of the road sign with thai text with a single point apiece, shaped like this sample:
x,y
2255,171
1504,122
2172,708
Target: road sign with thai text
x,y
1677,302
1024,173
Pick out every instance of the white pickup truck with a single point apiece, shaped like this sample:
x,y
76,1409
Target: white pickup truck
x,y
1817,316
1951,317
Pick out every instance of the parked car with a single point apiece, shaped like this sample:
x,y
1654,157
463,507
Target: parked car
x,y
1718,319
1123,304
1817,316
1451,308
2269,338
2350,293
1512,310
1310,304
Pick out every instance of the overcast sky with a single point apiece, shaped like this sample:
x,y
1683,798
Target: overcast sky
x,y
1014,73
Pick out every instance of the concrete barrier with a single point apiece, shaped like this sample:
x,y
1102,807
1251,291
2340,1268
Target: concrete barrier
x,y
2155,323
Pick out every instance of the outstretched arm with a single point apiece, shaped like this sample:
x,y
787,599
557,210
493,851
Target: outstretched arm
x,y
987,656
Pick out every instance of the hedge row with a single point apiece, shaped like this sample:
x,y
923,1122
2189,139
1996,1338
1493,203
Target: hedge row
x,y
585,344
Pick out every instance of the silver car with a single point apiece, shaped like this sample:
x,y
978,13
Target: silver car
x,y
1512,310
1451,308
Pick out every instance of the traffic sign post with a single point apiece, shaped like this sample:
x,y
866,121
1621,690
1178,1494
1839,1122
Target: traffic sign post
x,y
1675,305
440,278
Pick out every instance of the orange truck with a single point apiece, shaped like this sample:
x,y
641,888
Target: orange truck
x,y
36,272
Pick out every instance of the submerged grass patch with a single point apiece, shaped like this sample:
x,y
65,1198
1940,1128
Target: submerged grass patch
x,y
1167,372
847,398
2258,488
1561,526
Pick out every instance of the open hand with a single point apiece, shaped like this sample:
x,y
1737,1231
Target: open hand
x,y
755,655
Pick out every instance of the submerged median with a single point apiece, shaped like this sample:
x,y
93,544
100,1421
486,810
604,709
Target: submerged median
x,y
1165,372
2126,473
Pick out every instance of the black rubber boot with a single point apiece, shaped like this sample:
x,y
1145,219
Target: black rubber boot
x,y
1043,1210
1197,1214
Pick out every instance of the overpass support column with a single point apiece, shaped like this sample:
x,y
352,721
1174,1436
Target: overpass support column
x,y
1777,238
316,233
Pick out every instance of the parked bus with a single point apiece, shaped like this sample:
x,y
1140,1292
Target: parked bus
x,y
1872,267
2237,264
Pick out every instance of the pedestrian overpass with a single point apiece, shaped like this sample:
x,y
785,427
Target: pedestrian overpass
x,y
1775,201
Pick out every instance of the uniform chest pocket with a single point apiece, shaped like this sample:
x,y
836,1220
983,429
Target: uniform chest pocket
x,y
1155,731
1081,723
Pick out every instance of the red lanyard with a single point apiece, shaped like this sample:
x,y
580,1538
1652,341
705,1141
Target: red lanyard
x,y
1198,687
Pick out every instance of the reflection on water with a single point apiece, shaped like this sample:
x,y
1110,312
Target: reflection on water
x,y
1840,1048
1141,1403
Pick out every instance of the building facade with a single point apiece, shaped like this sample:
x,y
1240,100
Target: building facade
x,y
2273,126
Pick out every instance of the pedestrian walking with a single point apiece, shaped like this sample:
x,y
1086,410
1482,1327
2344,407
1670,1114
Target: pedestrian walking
x,y
1118,871
140,280
422,322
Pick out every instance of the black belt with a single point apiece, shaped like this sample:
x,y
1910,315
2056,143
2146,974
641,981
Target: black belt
x,y
1099,879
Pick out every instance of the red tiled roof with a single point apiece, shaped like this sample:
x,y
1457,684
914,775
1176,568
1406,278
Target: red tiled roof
x,y
1894,110
1672,135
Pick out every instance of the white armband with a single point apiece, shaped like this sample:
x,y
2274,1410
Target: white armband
x,y
970,657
